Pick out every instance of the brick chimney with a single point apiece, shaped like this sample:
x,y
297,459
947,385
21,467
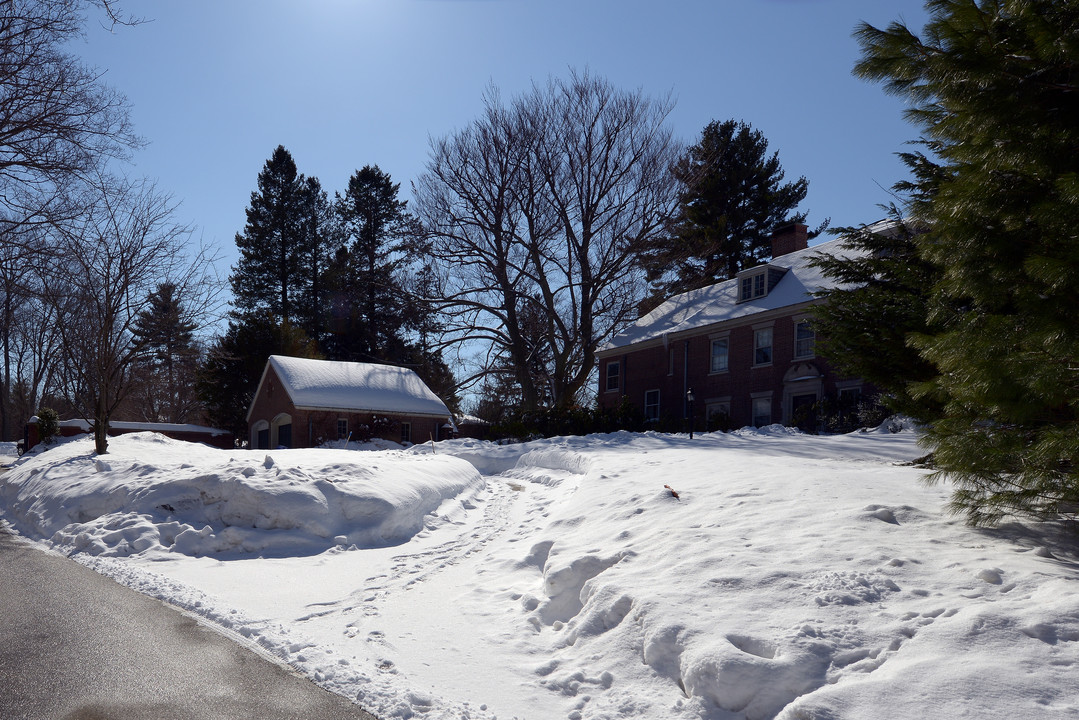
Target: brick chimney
x,y
789,238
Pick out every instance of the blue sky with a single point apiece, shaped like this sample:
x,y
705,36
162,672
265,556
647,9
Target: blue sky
x,y
216,85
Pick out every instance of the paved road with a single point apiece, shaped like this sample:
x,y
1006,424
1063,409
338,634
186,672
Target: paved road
x,y
75,645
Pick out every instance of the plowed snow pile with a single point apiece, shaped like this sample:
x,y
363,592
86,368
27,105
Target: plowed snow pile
x,y
793,576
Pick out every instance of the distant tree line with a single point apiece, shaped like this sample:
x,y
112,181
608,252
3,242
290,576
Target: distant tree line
x,y
85,248
538,232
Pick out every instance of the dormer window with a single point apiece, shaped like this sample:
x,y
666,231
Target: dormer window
x,y
758,282
752,287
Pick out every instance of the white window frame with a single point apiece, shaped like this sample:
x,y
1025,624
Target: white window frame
x,y
406,432
753,286
804,347
616,376
759,346
713,356
342,435
745,289
651,409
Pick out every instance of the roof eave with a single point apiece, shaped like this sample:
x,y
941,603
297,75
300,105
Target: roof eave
x,y
683,334
320,408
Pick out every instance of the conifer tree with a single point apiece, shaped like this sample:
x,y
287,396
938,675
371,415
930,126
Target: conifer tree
x,y
319,233
284,248
367,304
994,87
168,359
732,198
865,322
265,276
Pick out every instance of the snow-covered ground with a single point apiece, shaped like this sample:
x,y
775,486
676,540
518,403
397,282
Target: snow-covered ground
x,y
794,577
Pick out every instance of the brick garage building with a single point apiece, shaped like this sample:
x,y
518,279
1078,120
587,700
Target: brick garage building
x,y
745,347
304,403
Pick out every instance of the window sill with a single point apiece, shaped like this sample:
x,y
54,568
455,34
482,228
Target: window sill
x,y
720,372
762,365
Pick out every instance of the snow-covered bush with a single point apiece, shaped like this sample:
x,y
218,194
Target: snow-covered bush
x,y
48,425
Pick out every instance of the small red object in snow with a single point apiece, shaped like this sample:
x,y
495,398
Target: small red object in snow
x,y
674,492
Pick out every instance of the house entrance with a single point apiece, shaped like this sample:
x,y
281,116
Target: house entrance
x,y
803,412
802,388
281,431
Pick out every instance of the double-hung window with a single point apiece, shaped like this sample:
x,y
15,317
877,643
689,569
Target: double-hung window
x,y
612,376
804,340
651,405
342,428
762,346
762,411
752,286
720,352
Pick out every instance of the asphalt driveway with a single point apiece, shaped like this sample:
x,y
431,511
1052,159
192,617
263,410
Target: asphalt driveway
x,y
75,645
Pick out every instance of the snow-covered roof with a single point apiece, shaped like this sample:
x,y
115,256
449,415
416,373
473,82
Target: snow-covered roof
x,y
718,303
358,387
144,426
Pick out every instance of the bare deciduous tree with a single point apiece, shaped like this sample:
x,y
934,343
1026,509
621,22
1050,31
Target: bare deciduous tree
x,y
58,121
59,125
534,211
110,264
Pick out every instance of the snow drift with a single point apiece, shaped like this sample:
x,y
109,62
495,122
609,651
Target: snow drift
x,y
150,493
793,578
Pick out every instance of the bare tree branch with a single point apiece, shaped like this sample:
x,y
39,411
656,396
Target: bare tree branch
x,y
535,210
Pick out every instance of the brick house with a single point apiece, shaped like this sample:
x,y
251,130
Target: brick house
x,y
304,403
745,347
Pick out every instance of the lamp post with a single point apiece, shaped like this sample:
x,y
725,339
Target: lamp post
x,y
690,399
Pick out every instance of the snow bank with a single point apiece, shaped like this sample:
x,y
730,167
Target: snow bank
x,y
150,494
793,577
9,453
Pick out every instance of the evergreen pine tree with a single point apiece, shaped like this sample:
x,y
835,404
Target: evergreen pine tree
x,y
865,323
367,302
281,255
995,88
319,233
733,197
168,358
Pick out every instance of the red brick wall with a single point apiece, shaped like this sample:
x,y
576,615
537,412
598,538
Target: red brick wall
x,y
271,401
789,239
648,369
321,426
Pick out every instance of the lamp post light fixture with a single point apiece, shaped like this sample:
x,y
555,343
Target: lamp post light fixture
x,y
690,399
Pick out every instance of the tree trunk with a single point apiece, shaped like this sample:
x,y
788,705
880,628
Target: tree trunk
x,y
5,382
101,427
